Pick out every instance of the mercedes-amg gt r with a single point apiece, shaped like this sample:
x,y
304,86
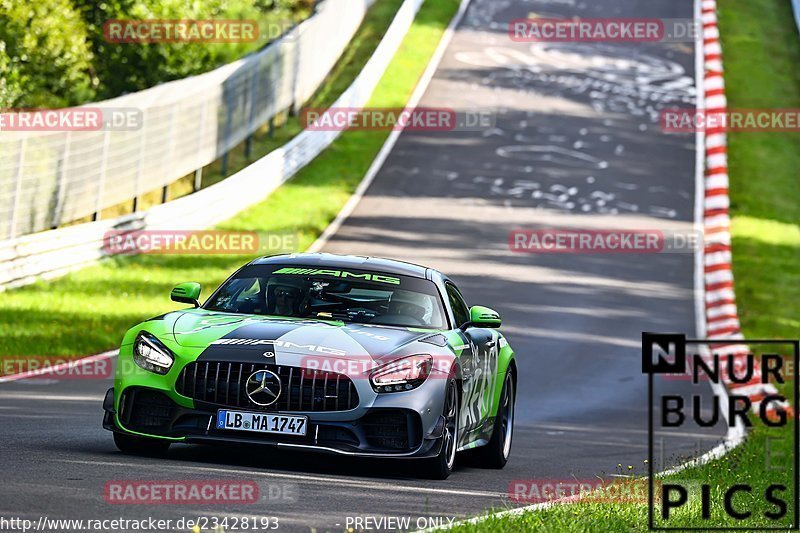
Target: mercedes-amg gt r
x,y
325,353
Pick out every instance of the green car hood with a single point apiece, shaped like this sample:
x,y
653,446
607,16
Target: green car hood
x,y
224,332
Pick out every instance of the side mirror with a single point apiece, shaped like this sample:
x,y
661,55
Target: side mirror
x,y
483,317
187,293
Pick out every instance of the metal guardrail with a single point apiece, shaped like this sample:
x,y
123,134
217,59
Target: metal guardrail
x,y
52,253
49,178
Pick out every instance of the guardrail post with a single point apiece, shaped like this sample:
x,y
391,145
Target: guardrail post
x,y
296,46
251,106
60,184
198,174
198,179
98,206
225,135
12,226
170,154
140,161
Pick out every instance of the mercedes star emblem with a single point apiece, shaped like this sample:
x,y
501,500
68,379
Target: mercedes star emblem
x,y
263,387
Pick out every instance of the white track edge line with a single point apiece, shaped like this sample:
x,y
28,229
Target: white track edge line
x,y
391,140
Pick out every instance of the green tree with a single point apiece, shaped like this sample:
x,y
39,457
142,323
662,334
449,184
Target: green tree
x,y
128,67
10,90
45,57
53,53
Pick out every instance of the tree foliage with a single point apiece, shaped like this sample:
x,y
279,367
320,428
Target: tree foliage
x,y
45,55
53,53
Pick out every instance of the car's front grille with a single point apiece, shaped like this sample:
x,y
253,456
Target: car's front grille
x,y
222,383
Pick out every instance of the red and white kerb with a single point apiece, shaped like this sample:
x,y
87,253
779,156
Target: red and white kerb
x,y
722,316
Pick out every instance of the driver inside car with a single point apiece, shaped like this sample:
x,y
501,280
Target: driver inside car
x,y
406,304
287,300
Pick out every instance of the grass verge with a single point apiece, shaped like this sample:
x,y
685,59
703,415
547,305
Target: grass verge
x,y
762,50
89,310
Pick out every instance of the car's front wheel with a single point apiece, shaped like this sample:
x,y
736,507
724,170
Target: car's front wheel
x,y
495,453
136,445
441,466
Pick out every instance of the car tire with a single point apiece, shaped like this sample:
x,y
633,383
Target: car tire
x,y
441,466
495,454
135,445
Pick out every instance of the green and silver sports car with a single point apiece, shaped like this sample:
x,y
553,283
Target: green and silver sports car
x,y
327,353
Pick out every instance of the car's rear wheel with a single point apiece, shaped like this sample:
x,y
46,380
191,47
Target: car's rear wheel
x,y
441,466
136,445
496,453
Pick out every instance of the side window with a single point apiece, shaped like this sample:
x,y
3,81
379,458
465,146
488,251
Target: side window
x,y
460,309
242,296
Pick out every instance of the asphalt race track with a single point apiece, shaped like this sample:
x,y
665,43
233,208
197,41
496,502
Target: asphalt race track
x,y
576,144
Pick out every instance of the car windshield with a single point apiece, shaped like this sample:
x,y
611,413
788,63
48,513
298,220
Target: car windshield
x,y
358,296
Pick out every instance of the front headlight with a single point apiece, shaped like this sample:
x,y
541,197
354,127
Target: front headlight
x,y
403,374
150,354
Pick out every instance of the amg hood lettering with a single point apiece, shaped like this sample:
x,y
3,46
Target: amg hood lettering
x,y
282,344
310,347
248,342
368,276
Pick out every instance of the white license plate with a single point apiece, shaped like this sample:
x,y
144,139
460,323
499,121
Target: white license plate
x,y
262,422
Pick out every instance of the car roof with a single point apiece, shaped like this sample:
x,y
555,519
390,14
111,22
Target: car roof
x,y
326,260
